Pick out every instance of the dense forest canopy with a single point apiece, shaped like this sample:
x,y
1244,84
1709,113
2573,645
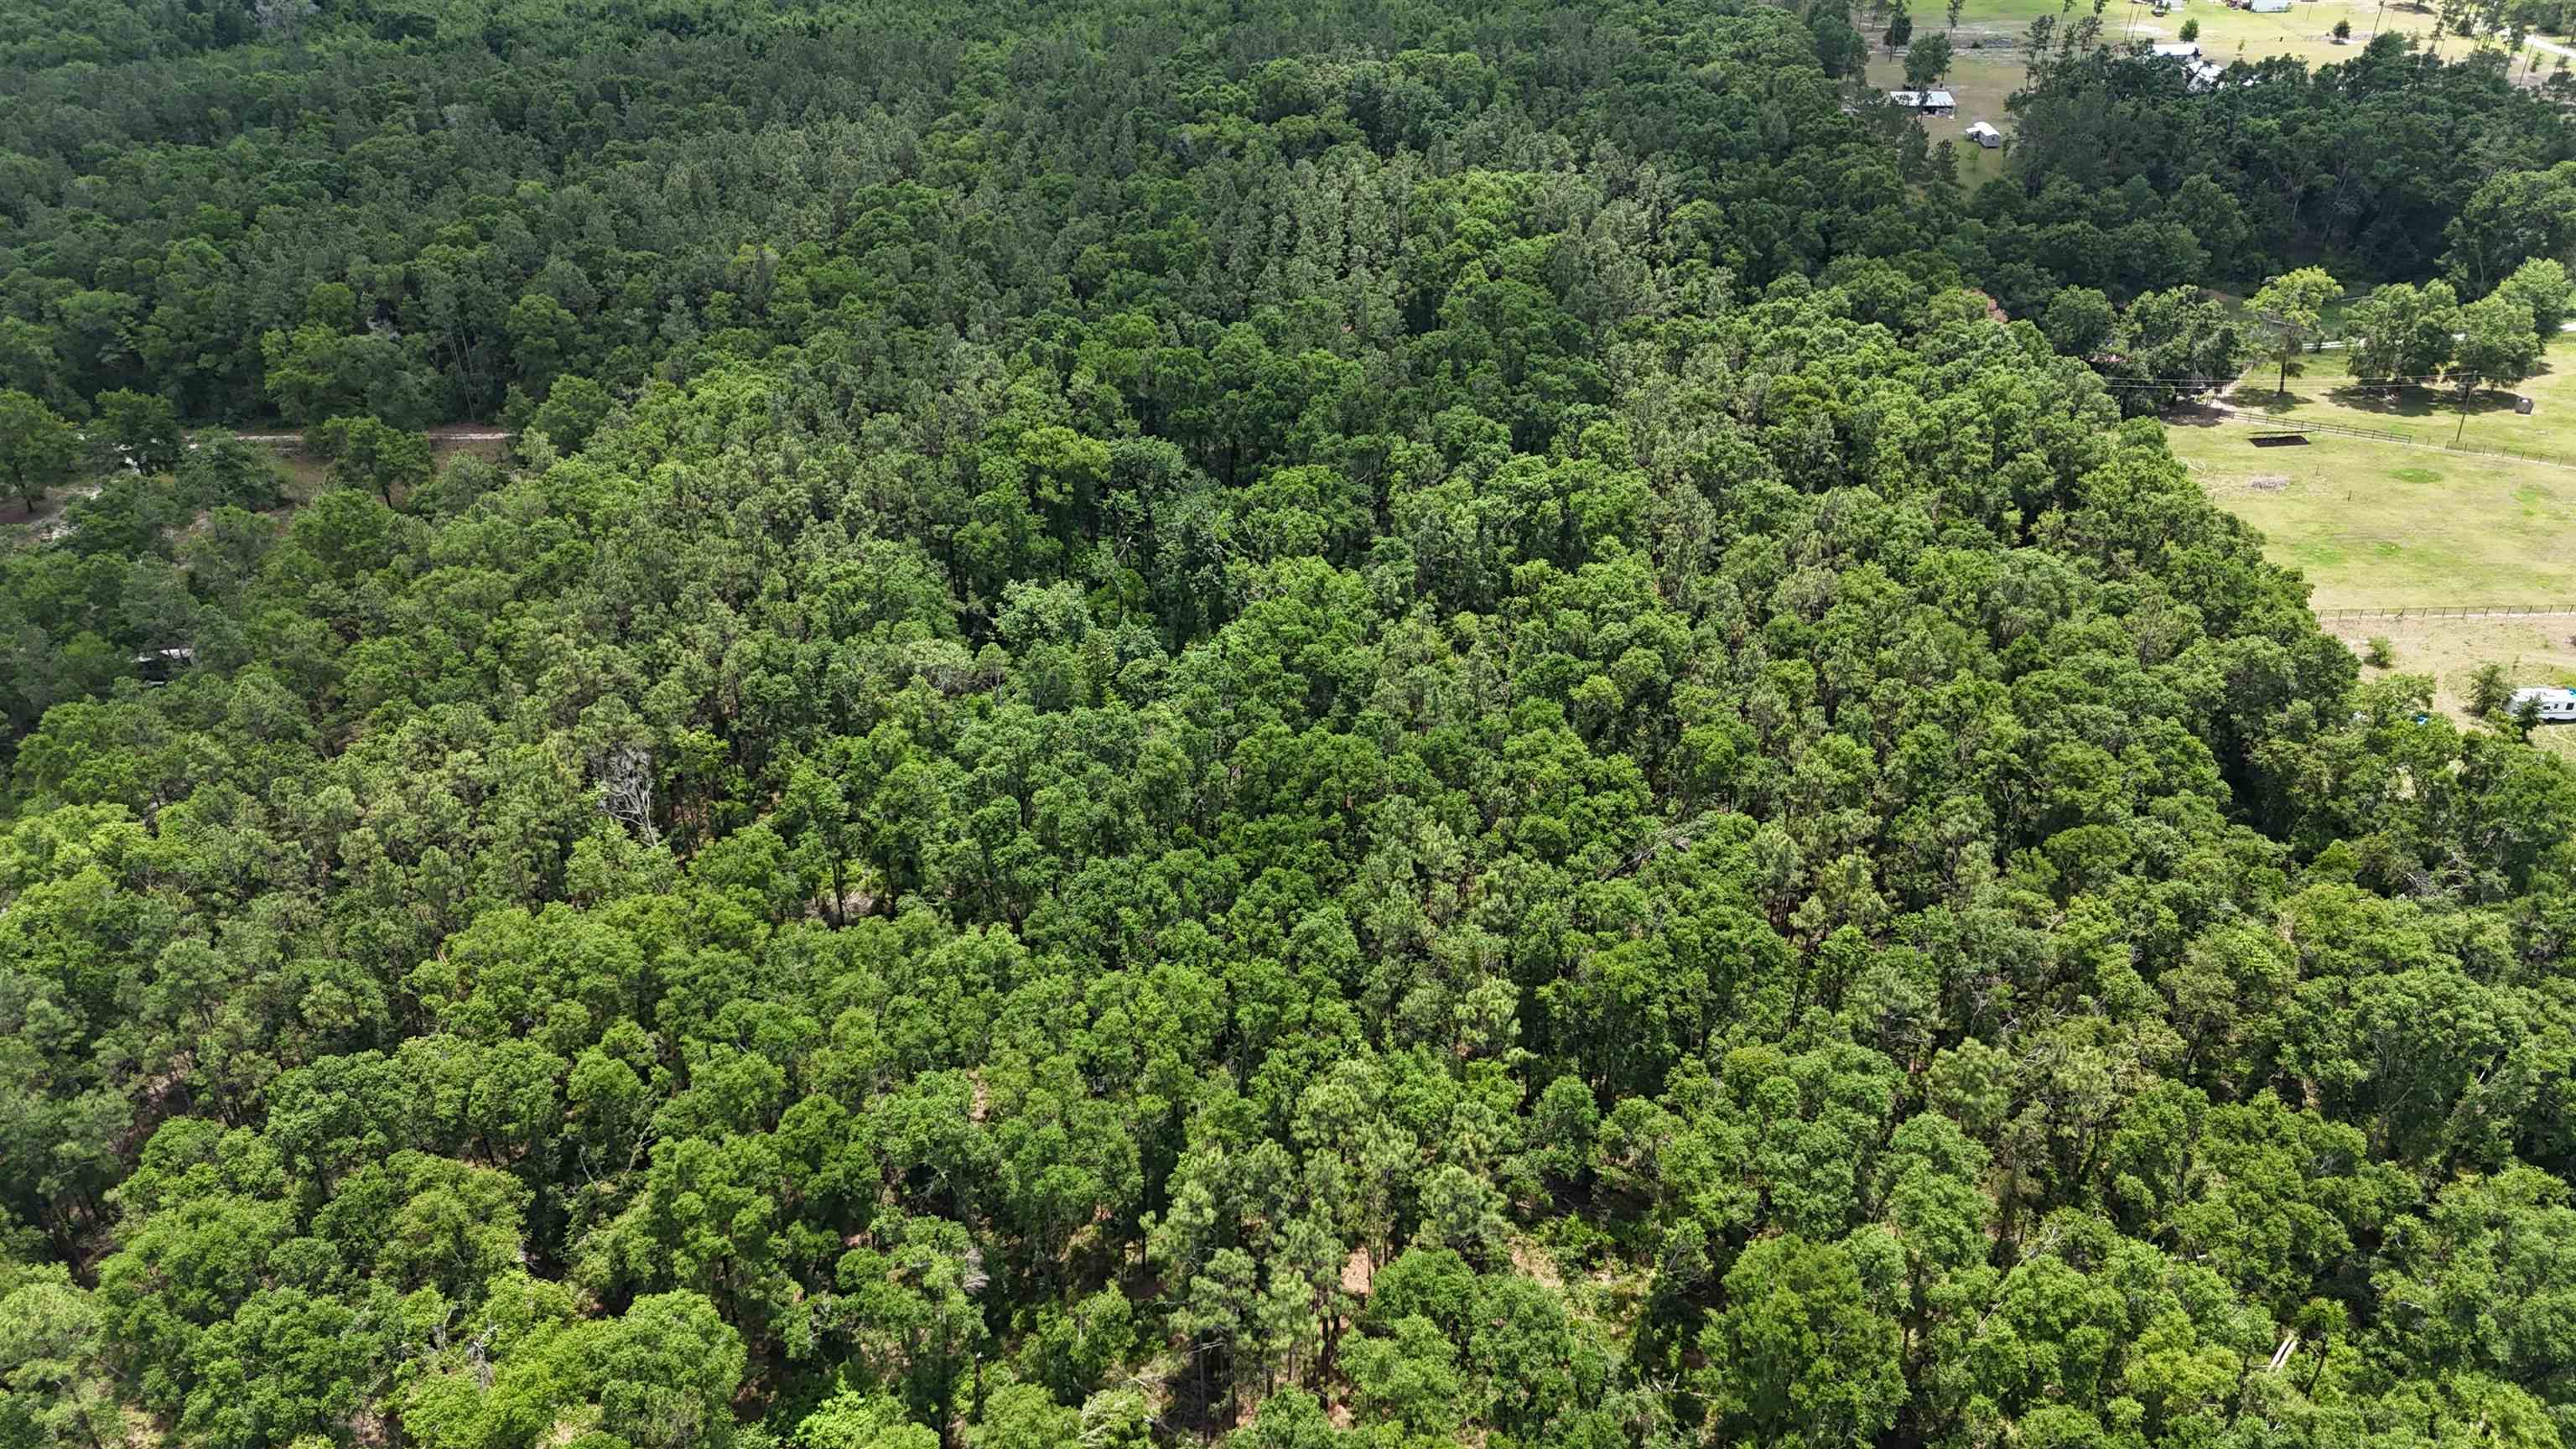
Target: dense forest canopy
x,y
1354,724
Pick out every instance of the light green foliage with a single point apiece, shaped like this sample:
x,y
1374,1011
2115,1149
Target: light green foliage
x,y
2288,315
1409,1381
2542,285
2401,335
2079,321
52,1390
367,454
220,470
2497,344
1799,1356
572,411
136,428
2169,345
853,1421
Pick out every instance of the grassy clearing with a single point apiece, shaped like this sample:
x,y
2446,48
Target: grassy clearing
x,y
1989,68
2533,651
2382,525
1982,81
2306,30
2323,391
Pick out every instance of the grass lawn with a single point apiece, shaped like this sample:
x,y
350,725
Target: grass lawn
x,y
2379,524
1982,81
2382,525
2323,391
2305,30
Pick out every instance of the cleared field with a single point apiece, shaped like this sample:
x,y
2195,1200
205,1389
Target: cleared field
x,y
2533,651
1989,67
2377,523
2325,392
2383,525
2305,30
1982,80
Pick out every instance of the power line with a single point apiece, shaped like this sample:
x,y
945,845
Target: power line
x,y
2430,377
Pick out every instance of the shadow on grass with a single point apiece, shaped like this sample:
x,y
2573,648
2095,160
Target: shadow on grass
x,y
2418,402
2192,415
2387,402
2269,402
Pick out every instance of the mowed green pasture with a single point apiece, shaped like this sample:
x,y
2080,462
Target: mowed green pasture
x,y
2323,390
2376,524
2401,521
1981,80
2380,523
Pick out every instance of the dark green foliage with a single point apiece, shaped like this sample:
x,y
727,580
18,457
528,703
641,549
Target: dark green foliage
x,y
2488,689
2129,176
1386,725
37,447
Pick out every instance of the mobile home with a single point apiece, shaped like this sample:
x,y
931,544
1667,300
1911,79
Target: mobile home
x,y
2554,705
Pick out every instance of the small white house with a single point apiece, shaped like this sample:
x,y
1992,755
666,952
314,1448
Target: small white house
x,y
1984,134
2557,705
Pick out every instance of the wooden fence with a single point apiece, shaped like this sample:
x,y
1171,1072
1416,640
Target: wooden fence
x,y
2385,435
2456,611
